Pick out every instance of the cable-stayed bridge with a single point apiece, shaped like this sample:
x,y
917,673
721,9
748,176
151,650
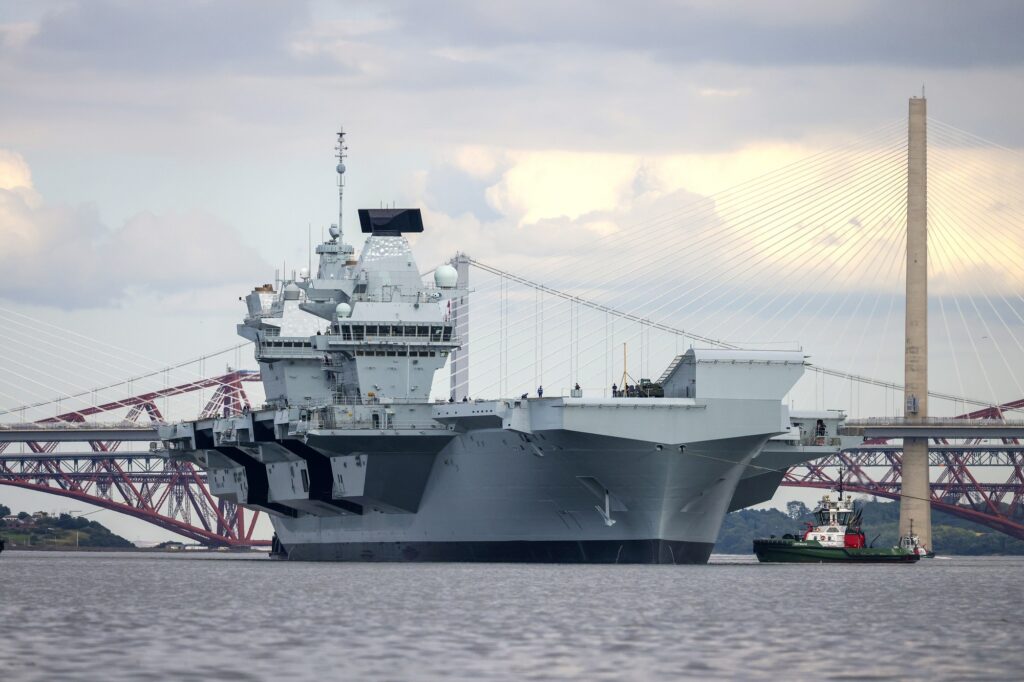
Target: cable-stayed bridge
x,y
809,255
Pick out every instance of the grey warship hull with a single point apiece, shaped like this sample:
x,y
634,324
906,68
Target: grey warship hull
x,y
487,499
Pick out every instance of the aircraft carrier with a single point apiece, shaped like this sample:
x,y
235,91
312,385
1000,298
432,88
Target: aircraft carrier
x,y
354,461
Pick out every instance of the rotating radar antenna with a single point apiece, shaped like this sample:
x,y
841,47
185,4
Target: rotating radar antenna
x,y
342,153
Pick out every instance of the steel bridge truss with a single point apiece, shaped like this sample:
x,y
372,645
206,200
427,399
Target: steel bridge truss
x,y
875,468
171,495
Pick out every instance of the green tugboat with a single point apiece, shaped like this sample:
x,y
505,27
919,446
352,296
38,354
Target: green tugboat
x,y
838,537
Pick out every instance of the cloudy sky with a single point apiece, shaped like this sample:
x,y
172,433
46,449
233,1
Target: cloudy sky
x,y
157,159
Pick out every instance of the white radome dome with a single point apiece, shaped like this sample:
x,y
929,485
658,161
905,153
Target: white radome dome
x,y
304,273
343,310
446,277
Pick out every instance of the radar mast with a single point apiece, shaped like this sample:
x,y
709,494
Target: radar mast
x,y
342,153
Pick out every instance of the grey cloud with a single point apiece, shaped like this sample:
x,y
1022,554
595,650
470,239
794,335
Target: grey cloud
x,y
649,77
454,192
184,36
917,33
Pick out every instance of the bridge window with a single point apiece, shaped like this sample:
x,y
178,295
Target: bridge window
x,y
435,333
447,333
358,332
371,330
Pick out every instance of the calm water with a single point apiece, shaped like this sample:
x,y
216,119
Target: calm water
x,y
144,616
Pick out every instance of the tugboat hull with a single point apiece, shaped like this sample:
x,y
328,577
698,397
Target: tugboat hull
x,y
775,550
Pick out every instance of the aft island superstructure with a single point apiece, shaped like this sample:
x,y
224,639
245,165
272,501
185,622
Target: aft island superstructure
x,y
353,461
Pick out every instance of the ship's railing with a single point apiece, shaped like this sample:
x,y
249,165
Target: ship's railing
x,y
380,418
292,350
427,293
263,314
382,343
437,332
392,296
309,353
385,344
343,401
811,439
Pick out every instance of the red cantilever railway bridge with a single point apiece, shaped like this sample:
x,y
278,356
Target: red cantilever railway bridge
x,y
171,495
175,496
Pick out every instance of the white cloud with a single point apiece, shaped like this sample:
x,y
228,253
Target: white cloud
x,y
478,161
64,256
551,184
722,92
14,171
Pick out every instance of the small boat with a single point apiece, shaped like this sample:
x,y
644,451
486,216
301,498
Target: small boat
x,y
838,537
912,543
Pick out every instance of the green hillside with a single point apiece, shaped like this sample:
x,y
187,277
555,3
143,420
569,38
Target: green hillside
x,y
65,531
951,535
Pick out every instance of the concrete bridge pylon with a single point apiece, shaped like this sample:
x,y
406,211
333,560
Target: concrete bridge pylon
x,y
915,500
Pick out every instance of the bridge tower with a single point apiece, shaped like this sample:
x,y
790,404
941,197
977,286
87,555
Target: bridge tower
x,y
460,323
915,505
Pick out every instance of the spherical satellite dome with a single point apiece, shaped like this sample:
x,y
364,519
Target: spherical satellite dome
x,y
343,310
292,292
341,169
304,273
446,277
334,231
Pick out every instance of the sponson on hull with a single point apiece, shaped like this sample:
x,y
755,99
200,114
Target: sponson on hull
x,y
353,461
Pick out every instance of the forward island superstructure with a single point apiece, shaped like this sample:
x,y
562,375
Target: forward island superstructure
x,y
352,459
